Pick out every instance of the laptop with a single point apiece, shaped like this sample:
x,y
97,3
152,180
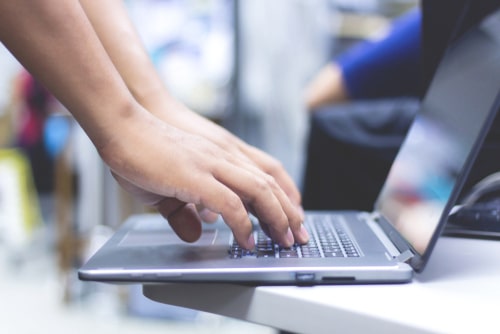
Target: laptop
x,y
387,245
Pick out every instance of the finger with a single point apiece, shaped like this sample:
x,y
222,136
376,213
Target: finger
x,y
295,214
295,217
298,231
265,197
182,217
295,232
219,198
207,215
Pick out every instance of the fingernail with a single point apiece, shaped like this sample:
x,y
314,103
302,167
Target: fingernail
x,y
289,237
304,235
251,242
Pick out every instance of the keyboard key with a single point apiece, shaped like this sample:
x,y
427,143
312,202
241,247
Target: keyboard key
x,y
269,254
334,254
286,253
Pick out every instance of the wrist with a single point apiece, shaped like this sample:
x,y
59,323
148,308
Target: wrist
x,y
112,123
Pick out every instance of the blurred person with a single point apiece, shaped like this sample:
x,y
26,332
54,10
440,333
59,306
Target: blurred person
x,y
35,105
88,55
387,66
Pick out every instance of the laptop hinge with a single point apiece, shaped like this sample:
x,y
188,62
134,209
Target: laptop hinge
x,y
371,215
401,254
405,256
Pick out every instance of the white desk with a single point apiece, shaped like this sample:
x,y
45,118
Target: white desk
x,y
459,292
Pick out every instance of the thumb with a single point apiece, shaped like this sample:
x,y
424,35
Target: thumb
x,y
182,217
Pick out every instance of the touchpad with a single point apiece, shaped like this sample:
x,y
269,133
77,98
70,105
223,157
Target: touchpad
x,y
136,238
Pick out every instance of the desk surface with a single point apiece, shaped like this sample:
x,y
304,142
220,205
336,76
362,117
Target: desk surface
x,y
458,292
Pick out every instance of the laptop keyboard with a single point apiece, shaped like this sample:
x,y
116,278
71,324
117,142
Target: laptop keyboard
x,y
327,238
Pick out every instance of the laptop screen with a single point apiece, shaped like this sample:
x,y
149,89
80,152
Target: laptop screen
x,y
436,155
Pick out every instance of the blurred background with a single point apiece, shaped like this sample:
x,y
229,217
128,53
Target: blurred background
x,y
243,64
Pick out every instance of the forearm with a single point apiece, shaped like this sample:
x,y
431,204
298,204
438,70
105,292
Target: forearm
x,y
113,26
57,44
327,87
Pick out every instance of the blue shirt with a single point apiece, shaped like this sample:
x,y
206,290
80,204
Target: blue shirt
x,y
388,67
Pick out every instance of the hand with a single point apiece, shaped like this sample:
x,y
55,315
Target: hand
x,y
169,168
183,118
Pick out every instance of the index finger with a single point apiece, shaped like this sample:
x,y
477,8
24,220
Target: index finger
x,y
221,199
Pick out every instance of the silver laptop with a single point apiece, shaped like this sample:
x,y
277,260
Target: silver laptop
x,y
383,246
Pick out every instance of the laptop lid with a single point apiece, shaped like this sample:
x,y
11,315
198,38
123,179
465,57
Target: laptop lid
x,y
443,141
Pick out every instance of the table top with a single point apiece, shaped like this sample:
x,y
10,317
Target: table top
x,y
458,292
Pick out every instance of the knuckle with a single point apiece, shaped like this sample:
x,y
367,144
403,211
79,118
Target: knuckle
x,y
265,182
233,203
261,184
274,166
